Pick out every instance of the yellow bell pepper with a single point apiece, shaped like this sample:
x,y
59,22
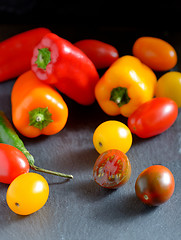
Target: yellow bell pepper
x,y
126,85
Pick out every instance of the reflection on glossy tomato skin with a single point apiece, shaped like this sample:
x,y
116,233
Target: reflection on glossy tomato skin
x,y
112,169
27,193
155,53
112,134
155,185
100,53
169,85
12,163
153,117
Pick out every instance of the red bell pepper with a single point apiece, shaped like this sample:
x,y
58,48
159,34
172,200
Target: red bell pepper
x,y
57,61
16,52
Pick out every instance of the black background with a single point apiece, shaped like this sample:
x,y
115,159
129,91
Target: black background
x,y
154,14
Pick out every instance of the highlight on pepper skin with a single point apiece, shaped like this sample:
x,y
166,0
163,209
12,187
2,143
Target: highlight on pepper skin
x,y
39,109
125,86
58,62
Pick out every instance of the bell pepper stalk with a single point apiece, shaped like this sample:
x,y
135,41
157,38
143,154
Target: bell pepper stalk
x,y
58,62
37,108
16,52
126,85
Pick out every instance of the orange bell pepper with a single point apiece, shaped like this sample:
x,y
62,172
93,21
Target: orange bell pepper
x,y
125,86
37,108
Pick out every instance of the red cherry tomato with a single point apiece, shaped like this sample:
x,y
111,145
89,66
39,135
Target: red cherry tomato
x,y
153,117
100,53
12,163
155,185
155,53
112,169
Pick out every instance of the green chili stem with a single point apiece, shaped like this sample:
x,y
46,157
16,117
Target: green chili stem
x,y
33,167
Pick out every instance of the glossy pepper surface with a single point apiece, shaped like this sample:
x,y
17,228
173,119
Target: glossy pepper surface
x,y
125,86
57,61
37,108
16,52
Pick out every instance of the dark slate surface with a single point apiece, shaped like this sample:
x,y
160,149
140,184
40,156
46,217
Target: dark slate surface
x,y
79,209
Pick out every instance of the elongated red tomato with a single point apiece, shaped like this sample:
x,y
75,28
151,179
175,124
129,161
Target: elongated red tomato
x,y
155,53
12,163
153,117
101,54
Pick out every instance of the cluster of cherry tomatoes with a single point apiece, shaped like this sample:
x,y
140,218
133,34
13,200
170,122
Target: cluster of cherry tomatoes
x,y
112,139
14,170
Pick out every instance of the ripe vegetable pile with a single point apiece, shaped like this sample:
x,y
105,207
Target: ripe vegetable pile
x,y
128,87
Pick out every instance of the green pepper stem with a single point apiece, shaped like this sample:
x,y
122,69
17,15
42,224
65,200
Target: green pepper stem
x,y
40,117
43,58
33,167
120,96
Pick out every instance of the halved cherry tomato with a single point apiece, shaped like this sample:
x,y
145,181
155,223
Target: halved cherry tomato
x,y
155,185
153,117
101,54
155,53
112,134
27,193
12,163
169,85
112,169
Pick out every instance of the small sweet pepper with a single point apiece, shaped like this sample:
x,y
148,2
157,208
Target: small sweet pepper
x,y
37,108
57,61
16,52
125,86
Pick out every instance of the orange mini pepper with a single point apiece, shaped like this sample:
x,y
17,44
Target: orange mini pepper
x,y
37,108
125,86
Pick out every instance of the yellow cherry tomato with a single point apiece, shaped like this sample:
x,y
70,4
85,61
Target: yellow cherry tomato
x,y
112,134
169,85
27,193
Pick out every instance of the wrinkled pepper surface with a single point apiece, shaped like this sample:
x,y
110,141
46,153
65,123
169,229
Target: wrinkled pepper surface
x,y
125,86
57,61
37,108
16,52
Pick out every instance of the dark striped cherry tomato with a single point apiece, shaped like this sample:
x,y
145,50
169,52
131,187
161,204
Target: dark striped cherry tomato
x,y
155,185
112,169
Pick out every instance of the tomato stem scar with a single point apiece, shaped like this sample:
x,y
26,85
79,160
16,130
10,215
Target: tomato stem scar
x,y
146,197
